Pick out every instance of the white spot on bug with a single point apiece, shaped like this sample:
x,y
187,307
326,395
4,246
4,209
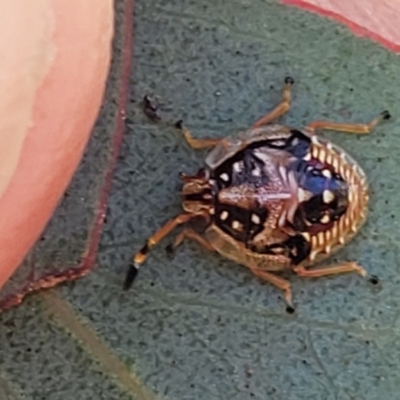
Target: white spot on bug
x,y
278,251
309,168
302,195
236,225
314,139
279,142
237,166
327,173
307,236
324,219
255,219
307,157
224,177
224,215
256,171
328,196
211,211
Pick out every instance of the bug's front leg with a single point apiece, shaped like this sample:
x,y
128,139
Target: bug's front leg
x,y
142,254
348,128
193,142
278,282
281,108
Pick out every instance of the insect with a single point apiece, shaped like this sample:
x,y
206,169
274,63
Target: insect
x,y
274,198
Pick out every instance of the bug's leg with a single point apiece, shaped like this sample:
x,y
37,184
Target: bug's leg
x,y
141,256
349,128
193,142
188,233
342,268
278,282
281,108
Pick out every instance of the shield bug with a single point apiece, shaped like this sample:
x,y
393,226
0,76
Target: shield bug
x,y
274,198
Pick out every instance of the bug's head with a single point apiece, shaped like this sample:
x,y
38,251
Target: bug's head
x,y
197,193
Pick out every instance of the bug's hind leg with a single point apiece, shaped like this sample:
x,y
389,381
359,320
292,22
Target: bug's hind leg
x,y
281,108
345,267
336,269
278,282
141,256
348,128
193,142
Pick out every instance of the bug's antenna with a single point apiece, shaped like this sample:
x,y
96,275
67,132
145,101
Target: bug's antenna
x,y
131,275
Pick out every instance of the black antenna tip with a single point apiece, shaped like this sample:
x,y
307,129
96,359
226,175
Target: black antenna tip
x,y
374,279
130,276
290,309
179,124
289,80
386,114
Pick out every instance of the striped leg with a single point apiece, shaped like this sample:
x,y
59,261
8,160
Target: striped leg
x,y
141,256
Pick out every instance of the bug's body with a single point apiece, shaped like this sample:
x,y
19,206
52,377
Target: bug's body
x,y
278,197
275,198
